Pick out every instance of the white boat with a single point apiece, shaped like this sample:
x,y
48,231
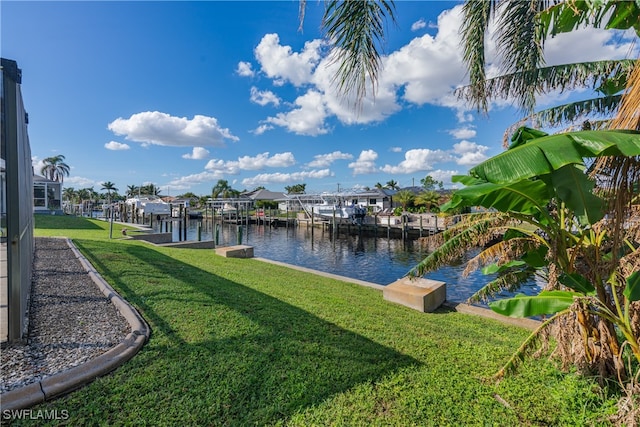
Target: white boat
x,y
149,205
328,206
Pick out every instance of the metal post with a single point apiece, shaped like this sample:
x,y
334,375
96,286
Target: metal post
x,y
334,221
184,225
110,220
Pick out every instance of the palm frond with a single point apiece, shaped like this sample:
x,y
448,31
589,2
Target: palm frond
x,y
576,111
528,346
356,29
475,231
631,262
520,42
518,85
501,252
302,8
509,281
473,30
628,116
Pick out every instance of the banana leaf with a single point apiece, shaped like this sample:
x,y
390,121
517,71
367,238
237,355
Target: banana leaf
x,y
547,302
537,258
495,268
525,134
632,290
574,188
526,197
543,155
577,282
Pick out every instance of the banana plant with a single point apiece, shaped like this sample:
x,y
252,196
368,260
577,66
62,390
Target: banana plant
x,y
546,215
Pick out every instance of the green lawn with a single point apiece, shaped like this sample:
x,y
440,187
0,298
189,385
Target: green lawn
x,y
242,342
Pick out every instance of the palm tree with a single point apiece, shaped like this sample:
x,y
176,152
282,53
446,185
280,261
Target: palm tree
x,y
522,29
392,185
132,190
202,201
69,194
224,190
150,189
55,168
296,188
379,186
405,198
110,187
429,199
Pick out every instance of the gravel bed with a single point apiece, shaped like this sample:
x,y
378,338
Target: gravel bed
x,y
70,320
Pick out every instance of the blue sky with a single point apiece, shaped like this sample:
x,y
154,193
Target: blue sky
x,y
182,94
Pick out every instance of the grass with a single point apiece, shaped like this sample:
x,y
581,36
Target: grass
x,y
242,342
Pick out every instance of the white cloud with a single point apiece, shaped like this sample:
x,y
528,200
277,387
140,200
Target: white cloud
x,y
281,63
365,164
463,133
116,146
186,182
470,153
284,178
418,25
425,71
417,160
263,160
307,119
463,116
261,129
587,44
79,182
154,127
198,153
396,149
244,69
422,68
443,175
325,160
264,97
229,167
37,165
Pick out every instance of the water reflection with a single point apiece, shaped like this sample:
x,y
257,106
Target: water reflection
x,y
372,258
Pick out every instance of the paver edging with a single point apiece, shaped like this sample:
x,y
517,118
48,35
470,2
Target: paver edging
x,y
78,376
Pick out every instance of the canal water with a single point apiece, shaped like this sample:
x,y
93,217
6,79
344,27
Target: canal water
x,y
372,258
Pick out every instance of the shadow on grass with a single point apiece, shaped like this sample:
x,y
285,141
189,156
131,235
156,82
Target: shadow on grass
x,y
65,222
223,351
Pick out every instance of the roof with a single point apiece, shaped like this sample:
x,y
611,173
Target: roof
x,y
41,179
263,194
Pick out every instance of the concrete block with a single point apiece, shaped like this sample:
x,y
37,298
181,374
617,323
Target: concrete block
x,y
424,295
156,238
237,251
